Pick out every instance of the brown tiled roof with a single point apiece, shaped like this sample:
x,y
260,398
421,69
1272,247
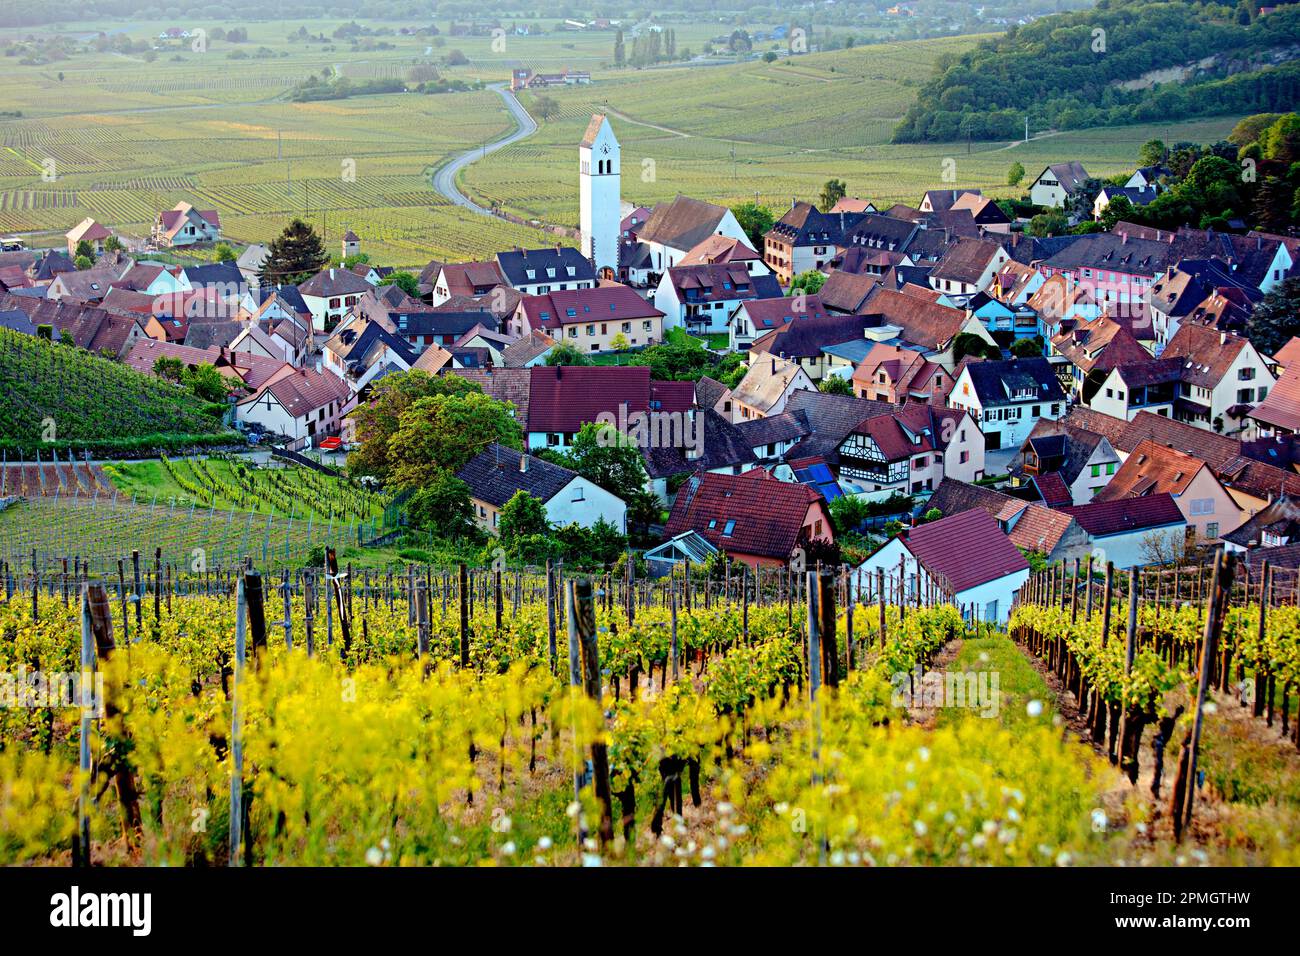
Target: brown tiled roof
x,y
1281,409
1100,518
465,278
1152,469
768,513
1214,450
523,350
605,303
1207,354
503,384
330,282
593,128
682,223
847,292
304,391
765,382
966,260
717,248
1288,354
433,360
768,314
923,322
1100,344
805,336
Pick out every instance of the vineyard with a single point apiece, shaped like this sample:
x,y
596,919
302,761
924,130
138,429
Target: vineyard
x,y
57,395
427,716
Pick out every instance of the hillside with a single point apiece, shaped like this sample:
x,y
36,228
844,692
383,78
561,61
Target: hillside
x,y
1126,61
88,402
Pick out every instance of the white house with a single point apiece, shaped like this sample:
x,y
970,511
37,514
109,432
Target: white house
x,y
1057,183
1223,376
703,297
967,557
766,387
1008,398
910,451
600,214
1121,531
305,406
330,293
673,229
183,225
497,474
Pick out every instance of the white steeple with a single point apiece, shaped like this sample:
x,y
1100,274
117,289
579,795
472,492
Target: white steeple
x,y
599,169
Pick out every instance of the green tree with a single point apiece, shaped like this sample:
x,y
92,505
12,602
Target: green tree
x,y
970,344
85,250
1015,174
1027,348
1151,153
1050,223
294,256
377,420
620,51
408,282
809,282
65,337
165,366
1252,128
756,220
442,506
619,343
832,192
835,385
523,516
565,353
443,432
206,382
1282,140
224,252
547,107
1277,318
82,263
114,244
607,457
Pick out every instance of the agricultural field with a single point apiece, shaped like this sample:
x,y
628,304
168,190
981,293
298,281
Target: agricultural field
x,y
697,724
117,138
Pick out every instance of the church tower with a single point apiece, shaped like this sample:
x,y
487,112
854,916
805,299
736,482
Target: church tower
x,y
599,168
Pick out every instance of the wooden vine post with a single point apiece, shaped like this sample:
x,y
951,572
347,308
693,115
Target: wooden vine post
x,y
345,623
464,616
550,612
236,854
584,670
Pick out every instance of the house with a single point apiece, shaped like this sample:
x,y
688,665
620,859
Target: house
x,y
1223,377
467,279
770,439
1131,532
766,387
250,262
249,370
329,294
756,317
539,271
847,292
1274,526
910,451
1057,183
1151,386
966,268
966,557
610,317
1060,453
988,215
674,228
1007,398
1136,195
1093,348
1203,291
1031,527
527,351
805,240
701,298
830,419
483,337
365,351
724,250
1116,267
1153,469
1279,413
687,546
723,448
897,375
559,400
91,328
804,340
1148,177
87,287
925,323
88,230
754,518
423,326
941,200
497,474
183,225
853,204
304,406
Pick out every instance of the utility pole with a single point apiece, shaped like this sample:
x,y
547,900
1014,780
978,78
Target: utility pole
x,y
1026,127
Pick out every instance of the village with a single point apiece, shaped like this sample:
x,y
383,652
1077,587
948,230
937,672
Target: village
x,y
929,389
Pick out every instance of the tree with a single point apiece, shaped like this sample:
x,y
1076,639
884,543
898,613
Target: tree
x,y
970,344
1281,141
1252,128
1027,348
114,244
770,57
1276,319
1015,174
565,353
456,58
756,220
620,51
809,282
522,517
294,256
224,252
835,385
82,263
1152,153
832,192
84,250
206,382
605,456
443,432
408,282
377,421
65,337
442,506
169,368
1050,223
547,107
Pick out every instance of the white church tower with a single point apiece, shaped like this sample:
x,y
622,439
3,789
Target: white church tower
x,y
598,155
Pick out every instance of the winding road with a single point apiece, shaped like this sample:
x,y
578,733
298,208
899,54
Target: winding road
x,y
444,180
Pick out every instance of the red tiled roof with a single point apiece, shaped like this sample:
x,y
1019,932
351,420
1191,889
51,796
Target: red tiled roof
x,y
768,513
563,398
1101,518
1053,489
966,549
606,303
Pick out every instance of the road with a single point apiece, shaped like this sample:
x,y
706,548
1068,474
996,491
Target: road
x,y
444,180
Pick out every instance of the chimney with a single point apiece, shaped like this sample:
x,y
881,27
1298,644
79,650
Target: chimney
x,y
773,365
331,274
1123,238
523,464
1223,338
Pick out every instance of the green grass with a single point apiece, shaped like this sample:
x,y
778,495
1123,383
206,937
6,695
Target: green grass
x,y
1019,682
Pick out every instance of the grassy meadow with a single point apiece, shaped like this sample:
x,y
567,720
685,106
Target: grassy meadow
x,y
129,137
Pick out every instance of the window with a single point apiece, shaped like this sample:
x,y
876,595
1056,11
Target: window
x,y
591,330
1203,506
1036,411
579,493
1110,467
1246,374
1212,530
728,528
1096,471
965,457
1245,396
